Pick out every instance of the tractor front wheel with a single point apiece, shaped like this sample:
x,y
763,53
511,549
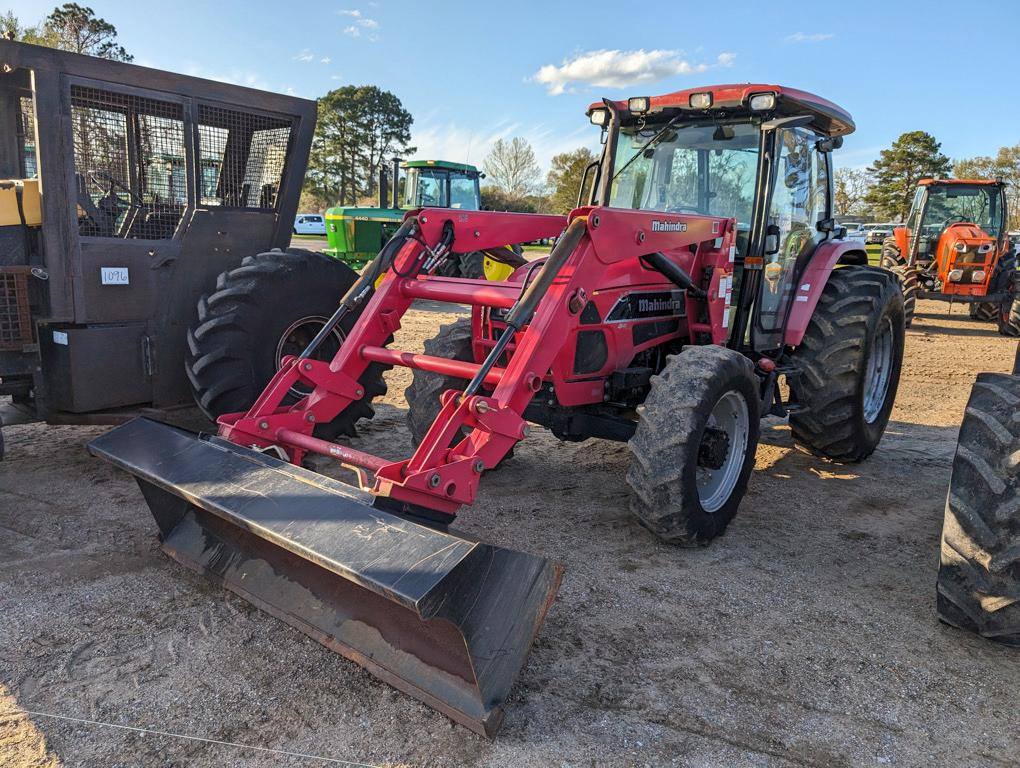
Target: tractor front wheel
x,y
979,573
693,450
892,260
453,342
847,367
270,307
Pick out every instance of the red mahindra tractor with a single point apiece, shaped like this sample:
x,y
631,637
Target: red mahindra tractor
x,y
954,247
701,271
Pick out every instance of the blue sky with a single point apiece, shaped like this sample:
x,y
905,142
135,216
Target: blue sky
x,y
473,72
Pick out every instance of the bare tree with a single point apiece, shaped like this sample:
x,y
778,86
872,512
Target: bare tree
x,y
851,189
510,166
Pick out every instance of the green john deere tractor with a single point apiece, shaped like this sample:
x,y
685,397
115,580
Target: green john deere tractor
x,y
356,234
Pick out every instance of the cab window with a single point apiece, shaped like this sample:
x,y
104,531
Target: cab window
x,y
799,202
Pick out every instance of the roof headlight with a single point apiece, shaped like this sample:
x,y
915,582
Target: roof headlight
x,y
638,104
700,100
600,117
762,102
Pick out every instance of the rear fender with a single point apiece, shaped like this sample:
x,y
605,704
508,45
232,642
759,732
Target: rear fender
x,y
813,281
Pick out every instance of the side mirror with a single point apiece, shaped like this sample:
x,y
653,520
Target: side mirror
x,y
772,234
829,144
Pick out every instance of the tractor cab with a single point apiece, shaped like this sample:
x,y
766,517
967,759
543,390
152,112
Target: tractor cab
x,y
955,233
758,154
356,233
441,184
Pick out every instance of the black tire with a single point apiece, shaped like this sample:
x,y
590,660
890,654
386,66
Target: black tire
x,y
1007,314
1009,318
979,573
232,348
453,342
840,418
472,265
668,449
893,261
984,311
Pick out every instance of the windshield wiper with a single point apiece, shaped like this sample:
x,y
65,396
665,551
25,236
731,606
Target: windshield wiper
x,y
646,145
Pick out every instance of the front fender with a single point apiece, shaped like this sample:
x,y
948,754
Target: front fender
x,y
812,283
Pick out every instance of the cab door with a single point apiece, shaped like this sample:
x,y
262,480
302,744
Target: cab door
x,y
800,201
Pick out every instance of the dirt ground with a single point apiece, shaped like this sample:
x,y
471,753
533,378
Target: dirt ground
x,y
804,636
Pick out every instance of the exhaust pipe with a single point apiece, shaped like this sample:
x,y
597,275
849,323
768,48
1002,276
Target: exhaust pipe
x,y
384,194
447,620
396,182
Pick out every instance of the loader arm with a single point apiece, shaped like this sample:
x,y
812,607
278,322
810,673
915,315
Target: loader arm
x,y
438,478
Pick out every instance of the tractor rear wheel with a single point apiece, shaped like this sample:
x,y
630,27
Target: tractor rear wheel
x,y
892,260
693,450
979,574
269,307
848,365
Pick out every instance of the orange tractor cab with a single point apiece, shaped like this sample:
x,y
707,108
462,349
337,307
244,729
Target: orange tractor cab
x,y
954,247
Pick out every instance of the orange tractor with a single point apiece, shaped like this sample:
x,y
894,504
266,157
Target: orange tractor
x,y
954,248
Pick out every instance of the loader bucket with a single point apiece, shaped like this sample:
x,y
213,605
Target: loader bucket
x,y
446,620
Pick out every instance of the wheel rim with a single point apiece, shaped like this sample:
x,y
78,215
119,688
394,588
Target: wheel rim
x,y
878,371
730,416
298,336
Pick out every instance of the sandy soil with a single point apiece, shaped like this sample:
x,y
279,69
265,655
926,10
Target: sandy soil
x,y
804,636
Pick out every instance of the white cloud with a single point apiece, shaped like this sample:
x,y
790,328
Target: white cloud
x,y
305,55
336,77
809,37
325,60
618,69
360,22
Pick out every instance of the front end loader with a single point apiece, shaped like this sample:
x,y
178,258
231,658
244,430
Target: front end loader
x,y
703,271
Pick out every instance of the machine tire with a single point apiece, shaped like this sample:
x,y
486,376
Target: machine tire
x,y
984,311
453,342
1009,319
978,586
667,447
831,381
232,346
892,260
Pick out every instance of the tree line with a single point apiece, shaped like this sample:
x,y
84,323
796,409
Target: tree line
x,y
360,127
885,189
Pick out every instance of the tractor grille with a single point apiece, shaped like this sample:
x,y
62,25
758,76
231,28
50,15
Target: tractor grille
x,y
241,157
15,317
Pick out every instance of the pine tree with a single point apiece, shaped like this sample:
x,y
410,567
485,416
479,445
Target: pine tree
x,y
914,155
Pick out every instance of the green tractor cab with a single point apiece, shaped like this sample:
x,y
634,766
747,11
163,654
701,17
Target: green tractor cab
x,y
356,234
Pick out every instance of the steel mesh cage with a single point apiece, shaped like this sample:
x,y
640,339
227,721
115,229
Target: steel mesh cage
x,y
26,137
241,157
129,163
15,316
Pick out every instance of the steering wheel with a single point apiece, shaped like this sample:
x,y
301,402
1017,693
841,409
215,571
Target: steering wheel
x,y
953,220
683,208
114,184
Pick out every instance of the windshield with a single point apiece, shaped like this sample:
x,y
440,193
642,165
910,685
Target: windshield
x,y
440,188
687,168
951,203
